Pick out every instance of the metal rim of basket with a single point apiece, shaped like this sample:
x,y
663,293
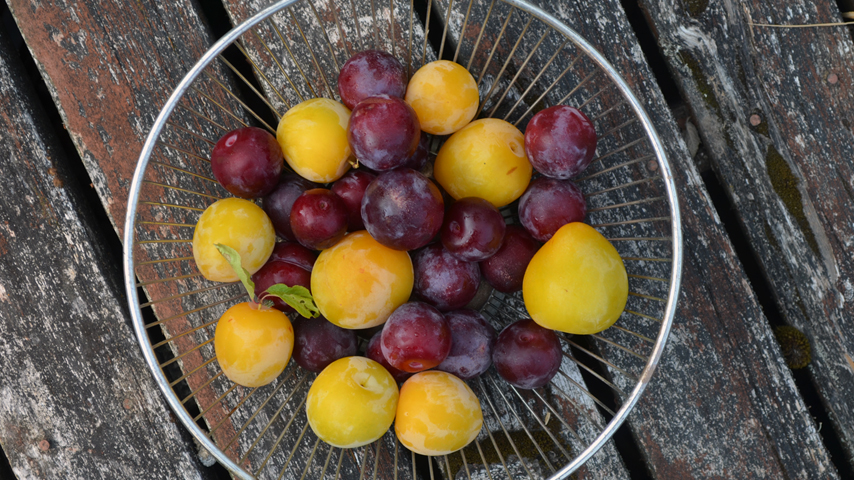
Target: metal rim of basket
x,y
218,47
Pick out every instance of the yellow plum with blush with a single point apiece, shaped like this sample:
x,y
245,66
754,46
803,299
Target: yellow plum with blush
x,y
437,414
313,137
253,343
444,96
485,159
352,402
239,224
358,282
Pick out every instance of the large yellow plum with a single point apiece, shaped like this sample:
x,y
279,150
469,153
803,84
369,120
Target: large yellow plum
x,y
576,283
444,96
358,282
253,343
352,402
437,414
239,224
485,159
313,137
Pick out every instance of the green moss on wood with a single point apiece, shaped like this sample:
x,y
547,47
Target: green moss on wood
x,y
701,82
696,7
794,345
785,184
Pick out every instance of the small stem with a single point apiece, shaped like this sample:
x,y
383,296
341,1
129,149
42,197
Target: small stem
x,y
233,259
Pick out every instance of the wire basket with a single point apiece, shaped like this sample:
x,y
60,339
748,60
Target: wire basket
x,y
523,60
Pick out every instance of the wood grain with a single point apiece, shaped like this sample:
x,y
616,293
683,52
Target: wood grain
x,y
109,69
774,110
108,76
721,375
75,395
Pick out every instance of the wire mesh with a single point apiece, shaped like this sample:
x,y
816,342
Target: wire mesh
x,y
523,60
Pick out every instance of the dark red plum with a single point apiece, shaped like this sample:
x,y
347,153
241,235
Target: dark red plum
x,y
318,342
505,270
443,280
419,158
549,204
560,141
374,351
473,229
278,203
274,272
415,337
369,73
295,253
527,355
247,162
319,218
351,188
472,341
383,132
402,209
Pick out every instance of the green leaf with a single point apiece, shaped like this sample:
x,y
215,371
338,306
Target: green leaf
x,y
233,258
298,297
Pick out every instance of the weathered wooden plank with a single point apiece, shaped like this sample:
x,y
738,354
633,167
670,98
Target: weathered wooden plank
x,y
108,75
109,69
774,109
76,399
722,402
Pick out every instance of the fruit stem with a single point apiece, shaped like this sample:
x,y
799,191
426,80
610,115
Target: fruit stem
x,y
233,259
297,296
260,305
264,301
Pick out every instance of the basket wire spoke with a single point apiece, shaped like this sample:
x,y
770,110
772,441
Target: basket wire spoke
x,y
251,87
515,416
281,435
487,402
225,301
181,150
520,70
274,417
184,294
586,393
503,67
291,52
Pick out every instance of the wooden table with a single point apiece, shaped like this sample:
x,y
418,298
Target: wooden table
x,y
767,202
